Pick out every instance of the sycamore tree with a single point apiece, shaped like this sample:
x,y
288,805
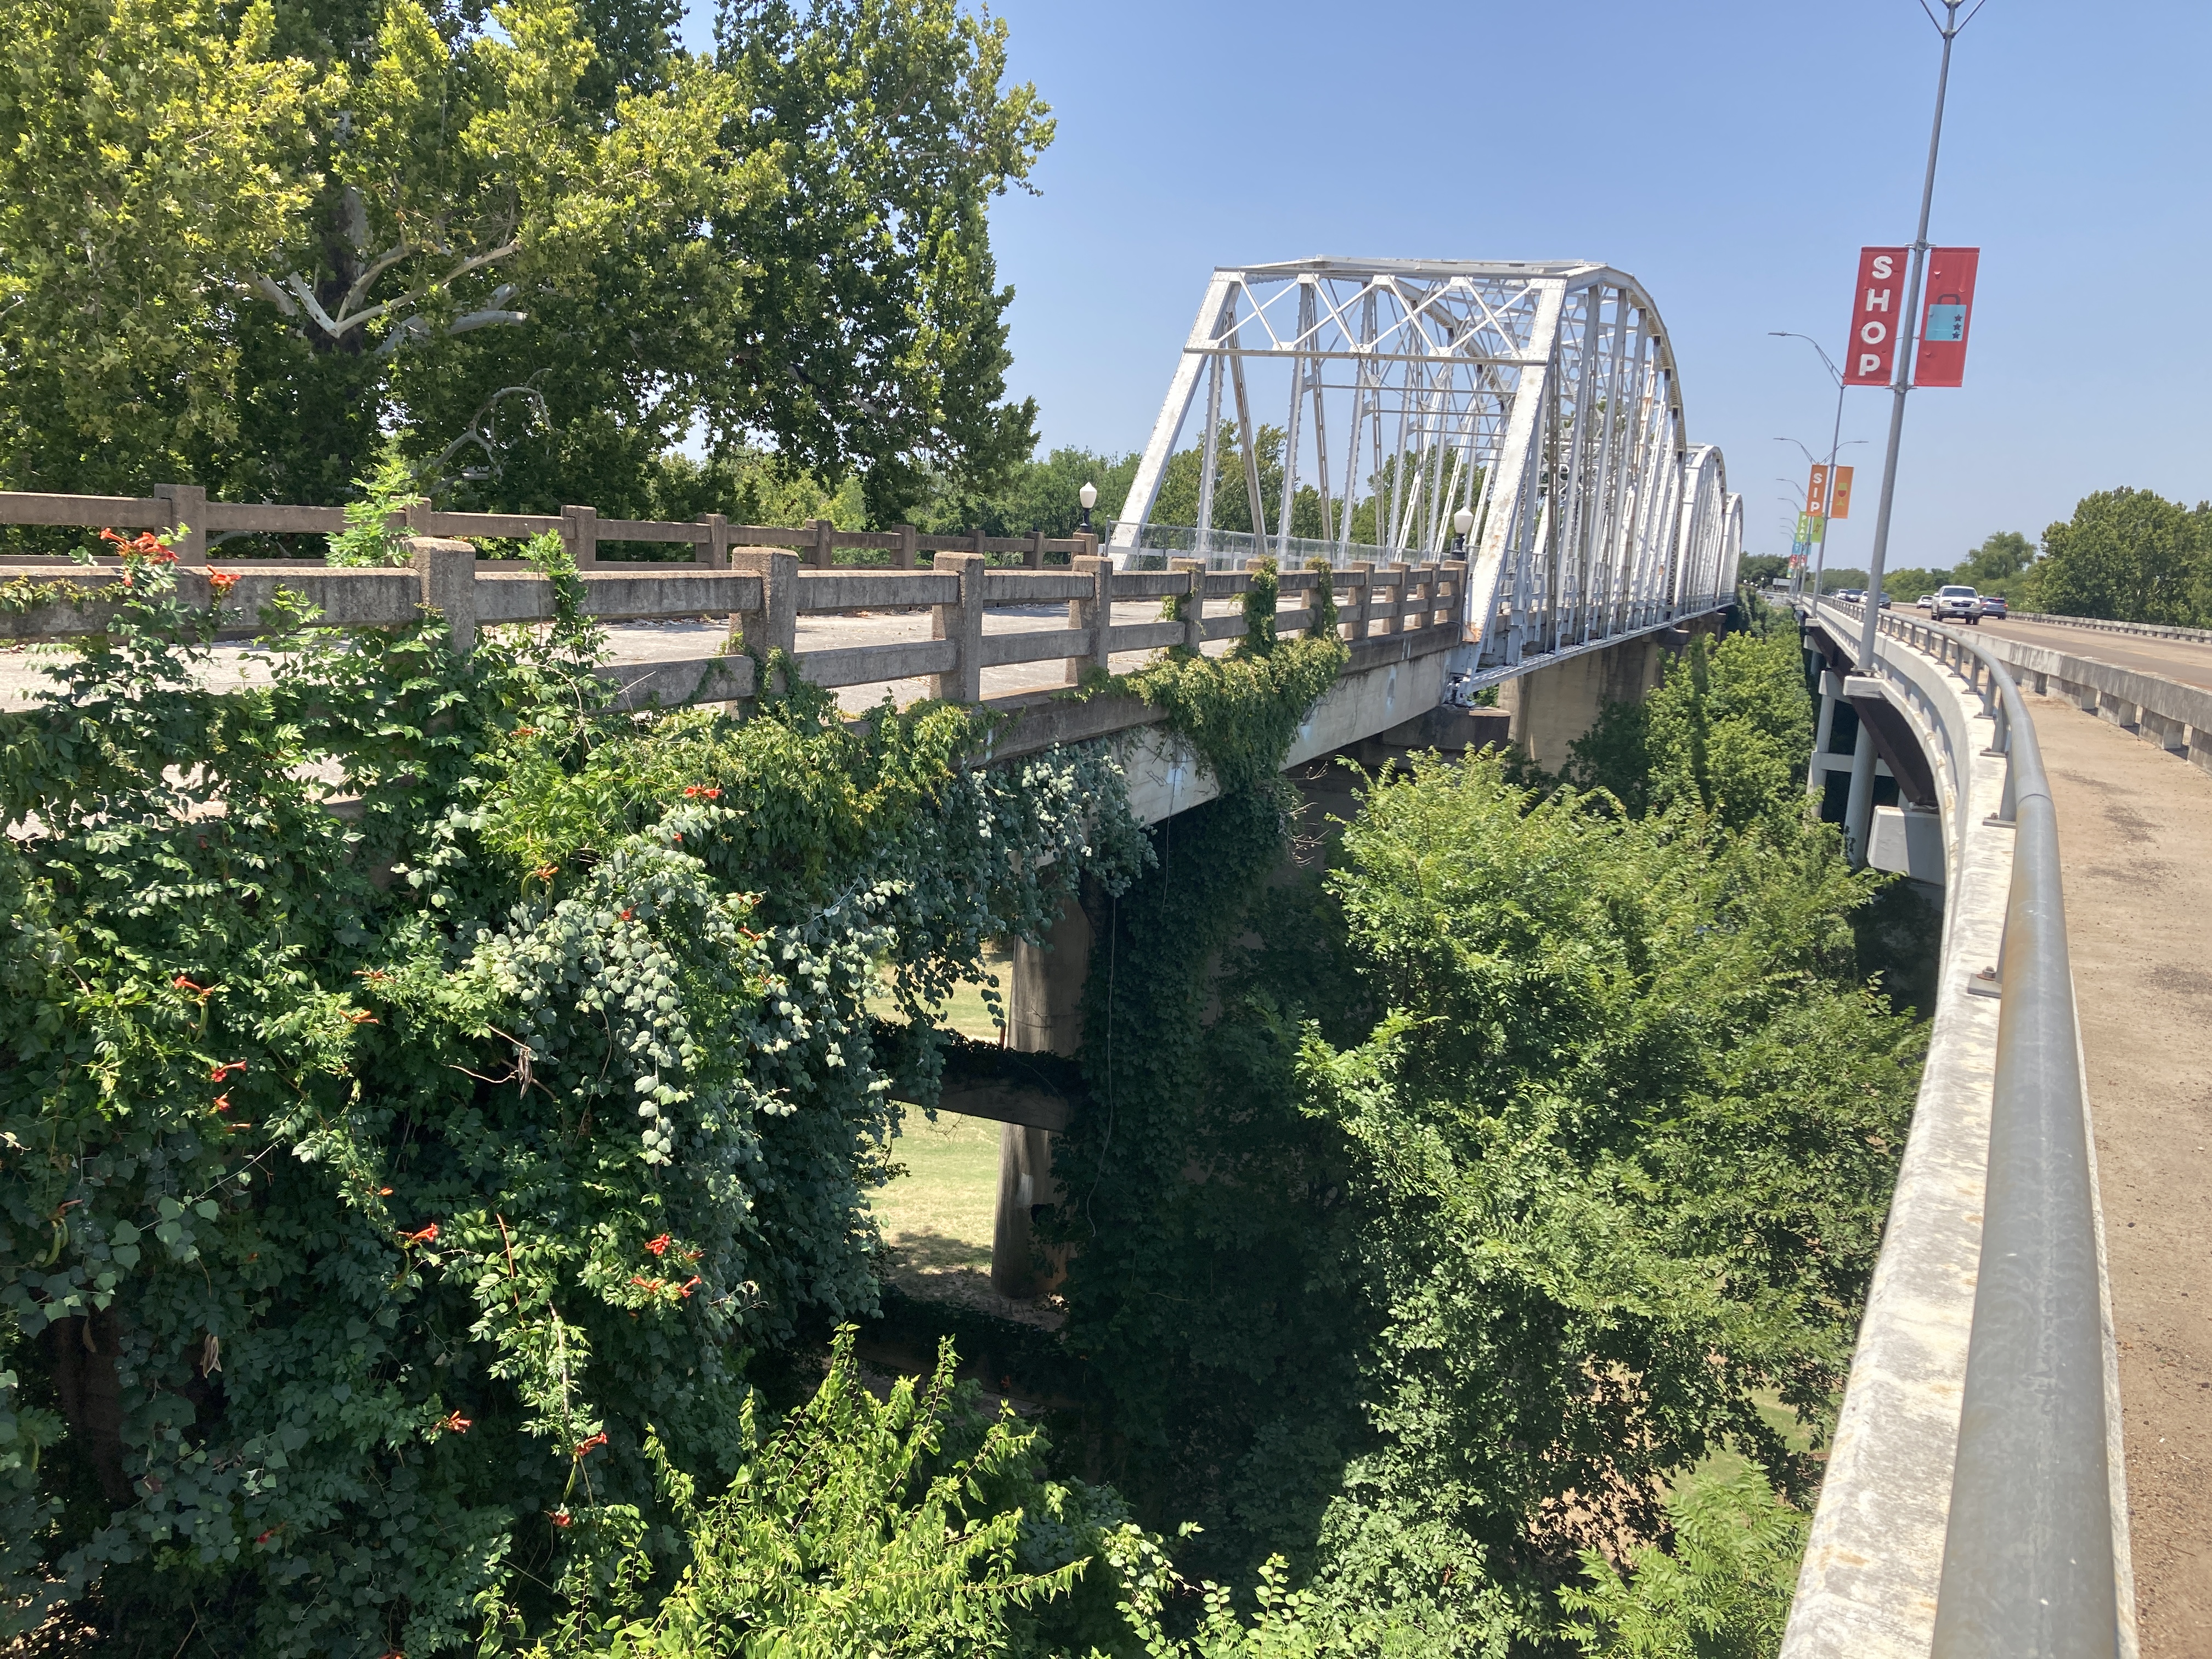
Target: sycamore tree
x,y
532,243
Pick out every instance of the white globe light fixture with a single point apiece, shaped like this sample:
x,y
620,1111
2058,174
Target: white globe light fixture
x,y
1463,522
1089,496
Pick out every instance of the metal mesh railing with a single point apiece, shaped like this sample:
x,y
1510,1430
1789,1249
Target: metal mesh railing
x,y
1149,547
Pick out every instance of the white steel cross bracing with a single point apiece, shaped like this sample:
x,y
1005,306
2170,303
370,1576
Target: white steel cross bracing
x,y
1541,396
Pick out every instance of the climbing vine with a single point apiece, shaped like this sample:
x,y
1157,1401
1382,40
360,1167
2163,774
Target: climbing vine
x,y
422,1082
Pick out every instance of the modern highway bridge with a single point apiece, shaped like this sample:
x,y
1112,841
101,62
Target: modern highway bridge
x,y
1543,522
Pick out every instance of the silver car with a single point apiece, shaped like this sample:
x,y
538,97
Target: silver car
x,y
1958,603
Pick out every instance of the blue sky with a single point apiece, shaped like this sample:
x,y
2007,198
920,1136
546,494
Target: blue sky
x,y
1734,156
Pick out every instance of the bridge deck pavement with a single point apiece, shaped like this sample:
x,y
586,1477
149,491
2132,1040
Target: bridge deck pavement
x,y
2183,661
2134,831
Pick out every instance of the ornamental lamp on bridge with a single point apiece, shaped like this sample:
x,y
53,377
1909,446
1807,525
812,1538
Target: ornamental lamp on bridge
x,y
1089,496
1462,526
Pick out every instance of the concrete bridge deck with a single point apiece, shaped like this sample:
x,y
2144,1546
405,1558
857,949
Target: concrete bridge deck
x,y
2136,841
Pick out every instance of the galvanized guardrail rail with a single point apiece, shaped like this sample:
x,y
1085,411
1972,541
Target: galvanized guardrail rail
x,y
1975,1502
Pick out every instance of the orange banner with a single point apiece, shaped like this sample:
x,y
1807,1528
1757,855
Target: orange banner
x,y
1816,492
1839,498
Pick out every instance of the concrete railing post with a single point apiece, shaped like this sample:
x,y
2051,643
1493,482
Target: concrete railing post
x,y
1403,600
910,550
962,622
1094,616
447,572
825,542
715,554
1362,575
1455,572
775,626
1193,607
1035,557
188,507
580,528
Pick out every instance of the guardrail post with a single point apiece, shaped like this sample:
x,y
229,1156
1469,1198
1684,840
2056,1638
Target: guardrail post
x,y
775,626
963,624
1095,615
825,542
1363,577
908,553
188,507
982,550
1193,610
447,571
1035,557
580,528
715,555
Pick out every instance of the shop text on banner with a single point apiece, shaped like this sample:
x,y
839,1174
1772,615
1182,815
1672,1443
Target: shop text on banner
x,y
1839,493
1876,302
1941,359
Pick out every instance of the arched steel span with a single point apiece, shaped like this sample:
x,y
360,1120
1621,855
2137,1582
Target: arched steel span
x,y
1542,397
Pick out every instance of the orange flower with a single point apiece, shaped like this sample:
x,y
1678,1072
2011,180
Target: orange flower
x,y
584,1447
427,1236
525,731
646,1284
223,581
266,1536
361,1018
559,1517
384,1192
222,1102
688,1286
545,872
184,984
701,792
225,1070
658,1246
455,1423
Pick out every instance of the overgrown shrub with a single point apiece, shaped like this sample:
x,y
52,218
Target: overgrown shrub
x,y
419,1080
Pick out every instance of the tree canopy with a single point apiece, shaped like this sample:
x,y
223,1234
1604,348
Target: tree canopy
x,y
534,240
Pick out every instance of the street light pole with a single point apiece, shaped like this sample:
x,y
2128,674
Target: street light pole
x,y
1835,443
1858,811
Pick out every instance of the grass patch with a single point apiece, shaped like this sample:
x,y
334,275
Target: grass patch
x,y
938,1215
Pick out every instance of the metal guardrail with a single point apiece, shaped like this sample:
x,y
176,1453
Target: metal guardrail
x,y
2032,1555
2101,625
1146,545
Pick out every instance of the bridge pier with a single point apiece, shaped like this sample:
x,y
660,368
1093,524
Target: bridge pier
x,y
1044,1015
1551,707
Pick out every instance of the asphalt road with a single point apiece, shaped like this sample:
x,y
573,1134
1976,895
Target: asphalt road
x,y
2135,838
2174,659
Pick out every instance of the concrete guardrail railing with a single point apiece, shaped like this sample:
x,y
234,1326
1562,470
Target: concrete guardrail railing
x,y
1974,1503
2177,717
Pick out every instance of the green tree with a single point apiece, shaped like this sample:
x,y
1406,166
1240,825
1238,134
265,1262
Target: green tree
x,y
2002,556
536,241
2128,555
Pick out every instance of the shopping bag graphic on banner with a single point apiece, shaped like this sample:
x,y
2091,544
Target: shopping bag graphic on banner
x,y
1946,318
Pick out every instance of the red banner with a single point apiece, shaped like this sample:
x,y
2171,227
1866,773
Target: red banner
x,y
1874,320
1941,359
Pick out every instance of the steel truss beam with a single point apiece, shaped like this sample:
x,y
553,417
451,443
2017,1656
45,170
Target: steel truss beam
x,y
1542,396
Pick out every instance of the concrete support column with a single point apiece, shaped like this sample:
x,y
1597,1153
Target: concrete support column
x,y
1858,806
1044,1015
1831,687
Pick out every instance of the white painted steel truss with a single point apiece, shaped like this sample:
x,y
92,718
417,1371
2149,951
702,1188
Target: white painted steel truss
x,y
1542,397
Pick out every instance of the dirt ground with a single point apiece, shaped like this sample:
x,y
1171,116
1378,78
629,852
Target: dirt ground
x,y
2135,829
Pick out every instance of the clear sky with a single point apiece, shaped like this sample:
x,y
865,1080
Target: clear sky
x,y
1734,156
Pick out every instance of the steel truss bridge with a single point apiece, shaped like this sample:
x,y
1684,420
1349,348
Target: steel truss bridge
x,y
1540,399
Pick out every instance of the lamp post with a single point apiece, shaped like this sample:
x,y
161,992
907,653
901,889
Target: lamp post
x,y
1089,496
1835,443
1462,526
1858,812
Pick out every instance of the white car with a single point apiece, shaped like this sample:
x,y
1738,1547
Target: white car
x,y
1956,603
1925,602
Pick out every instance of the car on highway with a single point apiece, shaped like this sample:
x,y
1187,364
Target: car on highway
x,y
1957,603
1852,595
1925,602
1993,605
1885,601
